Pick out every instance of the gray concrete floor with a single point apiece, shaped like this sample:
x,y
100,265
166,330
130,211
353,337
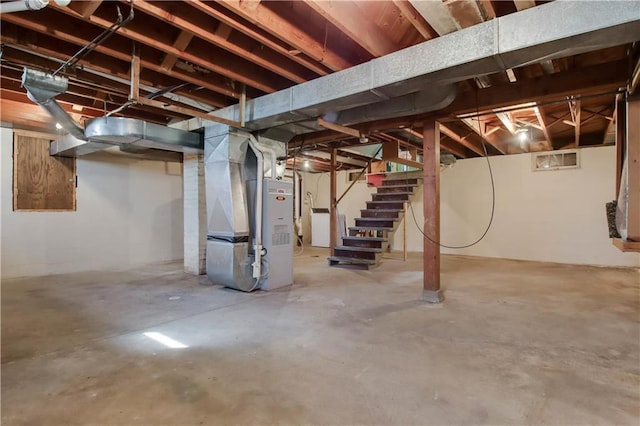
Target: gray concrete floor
x,y
514,343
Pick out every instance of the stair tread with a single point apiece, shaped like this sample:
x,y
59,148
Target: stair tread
x,y
365,249
393,193
404,185
384,201
384,240
352,260
379,219
382,210
370,228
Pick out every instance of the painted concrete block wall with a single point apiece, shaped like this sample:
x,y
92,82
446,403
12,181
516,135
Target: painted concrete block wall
x,y
129,213
554,216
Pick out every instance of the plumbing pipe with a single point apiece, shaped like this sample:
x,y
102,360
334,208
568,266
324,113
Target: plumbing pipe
x,y
22,5
297,189
257,262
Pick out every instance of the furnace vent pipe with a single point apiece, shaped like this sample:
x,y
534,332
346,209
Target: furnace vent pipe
x,y
22,5
274,159
257,261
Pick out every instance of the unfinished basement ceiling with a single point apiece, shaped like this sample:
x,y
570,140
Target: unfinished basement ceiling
x,y
202,55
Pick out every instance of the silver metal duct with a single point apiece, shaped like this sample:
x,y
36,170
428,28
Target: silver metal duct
x,y
549,31
130,131
41,89
229,257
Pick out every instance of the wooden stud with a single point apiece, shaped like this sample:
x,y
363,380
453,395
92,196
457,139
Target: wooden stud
x,y
621,137
577,121
633,169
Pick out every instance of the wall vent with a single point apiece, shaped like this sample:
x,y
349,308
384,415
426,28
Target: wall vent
x,y
557,160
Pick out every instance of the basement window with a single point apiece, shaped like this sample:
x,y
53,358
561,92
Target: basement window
x,y
555,160
41,182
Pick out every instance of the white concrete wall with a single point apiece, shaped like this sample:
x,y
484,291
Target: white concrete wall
x,y
129,213
553,216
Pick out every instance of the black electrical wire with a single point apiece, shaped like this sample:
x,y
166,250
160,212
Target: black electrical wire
x,y
493,206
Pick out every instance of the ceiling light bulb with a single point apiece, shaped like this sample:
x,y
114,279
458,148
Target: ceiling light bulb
x,y
522,136
306,164
58,126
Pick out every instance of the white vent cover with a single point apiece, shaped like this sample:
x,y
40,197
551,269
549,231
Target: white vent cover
x,y
556,160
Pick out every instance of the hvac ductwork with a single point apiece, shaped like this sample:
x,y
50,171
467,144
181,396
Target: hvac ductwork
x,y
243,208
553,30
42,88
102,132
229,251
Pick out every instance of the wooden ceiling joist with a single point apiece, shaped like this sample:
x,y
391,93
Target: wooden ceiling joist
x,y
418,22
348,18
214,10
462,141
197,26
230,66
286,31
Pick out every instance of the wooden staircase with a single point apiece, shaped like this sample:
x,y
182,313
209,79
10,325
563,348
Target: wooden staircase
x,y
370,235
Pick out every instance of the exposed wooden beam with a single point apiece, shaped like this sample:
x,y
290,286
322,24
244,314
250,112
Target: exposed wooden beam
x,y
578,120
186,111
488,138
212,82
621,137
462,141
274,63
489,10
338,128
231,66
633,170
349,19
507,122
583,81
539,111
418,22
85,8
431,212
437,15
181,43
134,92
296,36
524,4
212,9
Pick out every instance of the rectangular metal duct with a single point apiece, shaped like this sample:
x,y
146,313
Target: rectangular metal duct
x,y
552,30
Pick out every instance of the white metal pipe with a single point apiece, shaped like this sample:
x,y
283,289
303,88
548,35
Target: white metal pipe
x,y
274,160
257,263
22,5
297,216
